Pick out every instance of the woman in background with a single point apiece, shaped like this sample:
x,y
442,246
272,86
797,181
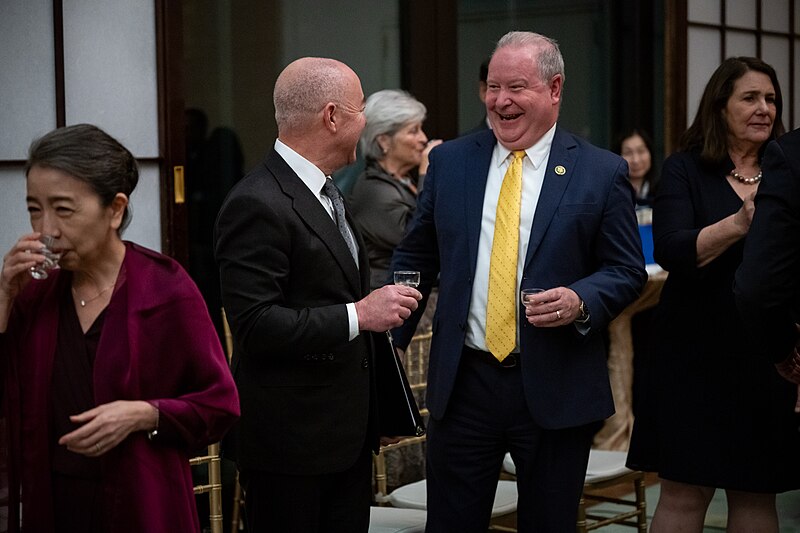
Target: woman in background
x,y
113,371
636,147
385,196
716,414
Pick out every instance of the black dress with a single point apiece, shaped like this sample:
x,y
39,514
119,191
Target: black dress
x,y
715,411
77,480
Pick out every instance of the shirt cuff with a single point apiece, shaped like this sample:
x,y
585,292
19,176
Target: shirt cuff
x,y
584,328
352,321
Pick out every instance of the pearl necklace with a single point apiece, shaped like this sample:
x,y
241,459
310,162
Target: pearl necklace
x,y
747,181
93,298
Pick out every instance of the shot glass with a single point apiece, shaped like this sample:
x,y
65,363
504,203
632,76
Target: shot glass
x,y
409,278
525,294
41,270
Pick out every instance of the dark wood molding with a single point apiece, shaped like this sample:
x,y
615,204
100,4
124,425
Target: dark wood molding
x,y
675,76
169,64
429,51
58,45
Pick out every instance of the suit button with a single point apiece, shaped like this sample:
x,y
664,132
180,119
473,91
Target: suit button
x,y
364,363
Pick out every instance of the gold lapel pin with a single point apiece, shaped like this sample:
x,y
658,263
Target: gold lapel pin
x,y
560,170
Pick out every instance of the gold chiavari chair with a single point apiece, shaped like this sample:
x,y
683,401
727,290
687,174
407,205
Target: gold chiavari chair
x,y
214,486
238,496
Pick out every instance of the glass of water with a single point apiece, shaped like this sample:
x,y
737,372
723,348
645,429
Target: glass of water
x,y
51,258
409,278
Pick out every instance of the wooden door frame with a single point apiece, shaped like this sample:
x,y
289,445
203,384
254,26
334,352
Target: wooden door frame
x,y
171,128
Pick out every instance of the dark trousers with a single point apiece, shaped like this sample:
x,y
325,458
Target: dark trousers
x,y
487,416
335,503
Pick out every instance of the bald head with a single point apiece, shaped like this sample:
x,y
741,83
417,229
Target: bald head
x,y
303,89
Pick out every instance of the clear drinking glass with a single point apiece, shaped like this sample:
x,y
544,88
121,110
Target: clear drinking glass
x,y
524,294
51,258
409,278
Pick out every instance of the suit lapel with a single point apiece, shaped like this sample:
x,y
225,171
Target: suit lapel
x,y
476,169
563,154
317,219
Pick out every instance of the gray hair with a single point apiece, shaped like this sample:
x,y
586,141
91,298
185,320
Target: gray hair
x,y
303,88
549,61
387,112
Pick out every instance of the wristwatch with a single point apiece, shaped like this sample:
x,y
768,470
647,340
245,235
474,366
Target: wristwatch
x,y
583,318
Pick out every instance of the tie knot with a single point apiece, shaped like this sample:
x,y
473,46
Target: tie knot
x,y
330,190
518,154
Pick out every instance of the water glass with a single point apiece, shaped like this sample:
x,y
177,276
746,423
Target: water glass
x,y
51,258
409,278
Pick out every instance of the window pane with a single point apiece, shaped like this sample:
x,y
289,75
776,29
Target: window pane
x,y
700,66
111,82
797,17
704,11
234,51
775,51
28,90
145,228
774,15
741,13
739,43
13,211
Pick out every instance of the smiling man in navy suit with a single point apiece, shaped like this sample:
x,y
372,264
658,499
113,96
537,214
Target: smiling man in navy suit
x,y
530,380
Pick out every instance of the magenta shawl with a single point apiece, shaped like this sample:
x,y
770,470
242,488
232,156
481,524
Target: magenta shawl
x,y
158,344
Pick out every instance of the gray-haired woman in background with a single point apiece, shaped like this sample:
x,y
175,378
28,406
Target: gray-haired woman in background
x,y
385,195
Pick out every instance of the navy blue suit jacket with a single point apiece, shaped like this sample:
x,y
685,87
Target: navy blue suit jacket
x,y
584,237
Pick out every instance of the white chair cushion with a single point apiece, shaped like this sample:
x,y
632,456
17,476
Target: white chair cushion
x,y
415,496
603,465
508,465
391,520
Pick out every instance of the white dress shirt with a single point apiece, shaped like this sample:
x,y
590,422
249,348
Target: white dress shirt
x,y
533,170
313,178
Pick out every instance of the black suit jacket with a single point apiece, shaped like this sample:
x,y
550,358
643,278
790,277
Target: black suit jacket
x,y
286,275
768,280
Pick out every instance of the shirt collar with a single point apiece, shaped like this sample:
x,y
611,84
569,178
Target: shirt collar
x,y
307,171
537,153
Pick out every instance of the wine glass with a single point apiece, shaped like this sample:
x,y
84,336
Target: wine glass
x,y
525,294
409,278
40,271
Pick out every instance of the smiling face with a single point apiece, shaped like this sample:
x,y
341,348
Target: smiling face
x,y
520,105
68,208
751,109
634,151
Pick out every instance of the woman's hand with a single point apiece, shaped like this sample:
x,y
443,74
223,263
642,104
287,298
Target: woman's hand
x,y
17,263
744,216
107,425
15,274
423,165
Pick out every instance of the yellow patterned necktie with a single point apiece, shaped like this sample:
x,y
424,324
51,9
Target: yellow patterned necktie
x,y
501,309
